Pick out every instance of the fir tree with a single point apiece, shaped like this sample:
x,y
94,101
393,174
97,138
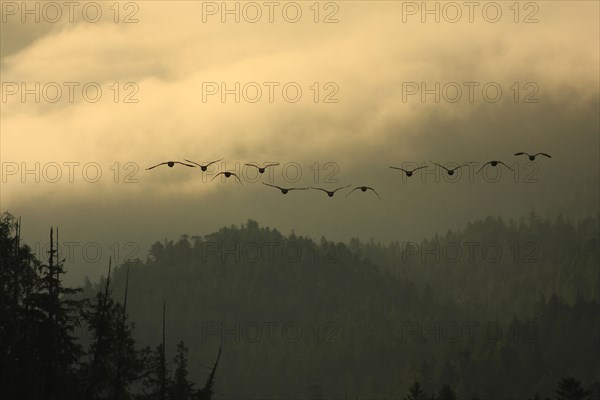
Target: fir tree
x,y
416,393
570,389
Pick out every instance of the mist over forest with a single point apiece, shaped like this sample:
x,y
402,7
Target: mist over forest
x,y
238,200
496,310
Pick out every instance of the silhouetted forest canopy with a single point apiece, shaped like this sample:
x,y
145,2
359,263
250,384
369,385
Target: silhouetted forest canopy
x,y
498,310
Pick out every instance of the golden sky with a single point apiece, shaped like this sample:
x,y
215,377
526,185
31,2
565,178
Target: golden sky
x,y
367,60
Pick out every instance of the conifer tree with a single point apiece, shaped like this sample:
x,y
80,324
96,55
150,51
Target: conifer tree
x,y
570,389
416,393
181,387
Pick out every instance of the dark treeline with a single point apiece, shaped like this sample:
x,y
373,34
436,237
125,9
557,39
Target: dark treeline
x,y
306,319
41,355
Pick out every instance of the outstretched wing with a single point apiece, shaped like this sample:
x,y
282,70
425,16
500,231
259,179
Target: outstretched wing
x,y
544,154
520,153
483,166
215,177
187,165
401,169
441,166
350,192
252,165
374,191
212,162
418,168
280,188
300,188
193,162
506,165
343,187
162,163
238,178
270,165
312,187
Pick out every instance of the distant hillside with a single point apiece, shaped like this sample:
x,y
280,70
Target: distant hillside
x,y
365,320
505,266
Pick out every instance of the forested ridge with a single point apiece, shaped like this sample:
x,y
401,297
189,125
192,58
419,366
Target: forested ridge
x,y
299,318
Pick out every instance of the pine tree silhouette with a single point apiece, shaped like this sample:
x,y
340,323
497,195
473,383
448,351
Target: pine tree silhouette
x,y
181,388
56,318
416,393
570,389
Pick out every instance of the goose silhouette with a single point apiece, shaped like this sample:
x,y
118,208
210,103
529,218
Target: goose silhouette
x,y
451,171
330,193
227,175
170,164
284,190
263,168
532,156
205,166
494,163
364,189
409,173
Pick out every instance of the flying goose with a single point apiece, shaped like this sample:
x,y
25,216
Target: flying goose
x,y
451,171
330,193
409,173
364,189
227,175
532,156
262,169
284,190
205,166
494,163
170,164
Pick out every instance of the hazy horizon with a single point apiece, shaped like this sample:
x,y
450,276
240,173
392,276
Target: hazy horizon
x,y
376,122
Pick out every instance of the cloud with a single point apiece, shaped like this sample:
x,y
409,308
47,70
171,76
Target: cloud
x,y
363,61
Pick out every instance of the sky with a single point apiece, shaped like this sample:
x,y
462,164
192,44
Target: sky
x,y
336,92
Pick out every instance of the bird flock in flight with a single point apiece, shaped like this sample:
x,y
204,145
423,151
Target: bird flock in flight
x,y
330,193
